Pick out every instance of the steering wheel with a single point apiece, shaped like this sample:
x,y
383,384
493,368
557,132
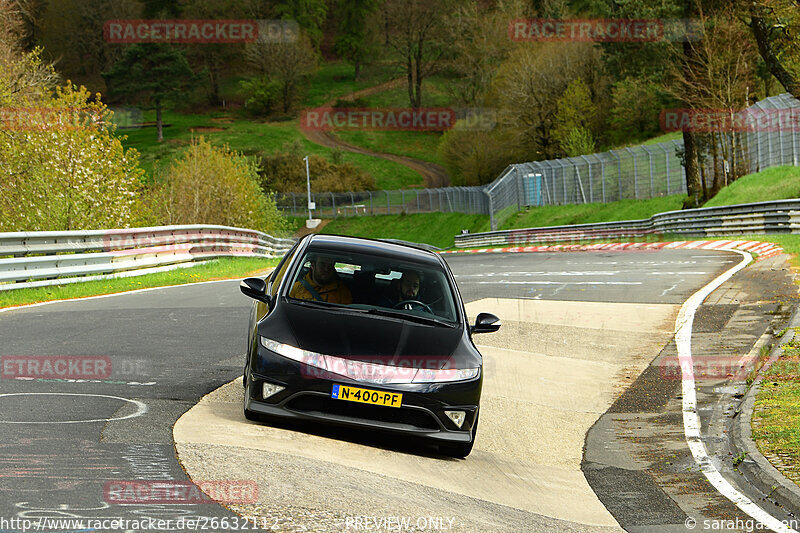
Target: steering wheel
x,y
424,306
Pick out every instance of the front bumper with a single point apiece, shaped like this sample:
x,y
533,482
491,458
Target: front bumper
x,y
421,414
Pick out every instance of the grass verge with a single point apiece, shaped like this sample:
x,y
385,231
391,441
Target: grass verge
x,y
559,215
437,229
223,268
776,414
775,183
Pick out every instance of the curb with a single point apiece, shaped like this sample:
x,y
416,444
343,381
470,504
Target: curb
x,y
763,249
756,469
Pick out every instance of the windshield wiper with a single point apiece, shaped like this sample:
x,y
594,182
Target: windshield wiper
x,y
412,318
324,305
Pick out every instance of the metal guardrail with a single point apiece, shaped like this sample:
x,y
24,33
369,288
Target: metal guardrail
x,y
779,216
34,259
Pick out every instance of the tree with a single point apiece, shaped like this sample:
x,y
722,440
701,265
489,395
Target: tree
x,y
72,37
154,74
716,72
309,15
290,63
352,37
527,87
214,185
575,119
68,171
775,25
635,109
475,50
217,58
415,36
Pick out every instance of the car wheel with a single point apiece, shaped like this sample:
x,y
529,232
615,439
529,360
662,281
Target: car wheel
x,y
461,449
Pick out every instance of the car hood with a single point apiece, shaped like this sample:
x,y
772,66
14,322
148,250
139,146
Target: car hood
x,y
376,339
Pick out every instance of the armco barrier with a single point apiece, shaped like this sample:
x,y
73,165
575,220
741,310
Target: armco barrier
x,y
779,216
33,259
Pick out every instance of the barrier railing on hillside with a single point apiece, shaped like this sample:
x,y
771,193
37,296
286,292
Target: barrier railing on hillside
x,y
779,216
34,259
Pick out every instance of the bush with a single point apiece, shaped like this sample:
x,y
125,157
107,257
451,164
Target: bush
x,y
285,171
213,185
475,157
67,175
261,95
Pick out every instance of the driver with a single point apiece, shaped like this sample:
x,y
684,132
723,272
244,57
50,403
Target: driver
x,y
407,289
322,284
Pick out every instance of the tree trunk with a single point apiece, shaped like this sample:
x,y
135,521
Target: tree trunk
x,y
159,122
213,78
774,66
418,96
693,188
717,183
410,76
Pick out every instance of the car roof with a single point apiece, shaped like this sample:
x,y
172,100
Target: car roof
x,y
342,243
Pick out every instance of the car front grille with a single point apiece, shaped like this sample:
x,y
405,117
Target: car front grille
x,y
402,418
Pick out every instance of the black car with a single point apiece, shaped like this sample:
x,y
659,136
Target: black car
x,y
365,333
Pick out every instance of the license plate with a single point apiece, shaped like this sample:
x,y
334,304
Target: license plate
x,y
373,397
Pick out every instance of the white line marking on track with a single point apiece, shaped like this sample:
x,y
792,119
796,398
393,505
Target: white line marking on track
x,y
141,408
691,421
39,304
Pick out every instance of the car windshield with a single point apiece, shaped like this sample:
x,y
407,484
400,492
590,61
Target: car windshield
x,y
370,283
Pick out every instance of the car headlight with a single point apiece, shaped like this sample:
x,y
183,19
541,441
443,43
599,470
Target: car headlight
x,y
369,372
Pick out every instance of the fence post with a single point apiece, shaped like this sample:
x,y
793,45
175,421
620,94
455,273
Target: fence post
x,y
417,202
403,201
635,175
589,164
650,160
371,210
619,174
353,202
492,223
333,204
388,203
666,159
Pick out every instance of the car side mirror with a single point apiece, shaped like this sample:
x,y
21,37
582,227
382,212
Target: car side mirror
x,y
255,288
486,323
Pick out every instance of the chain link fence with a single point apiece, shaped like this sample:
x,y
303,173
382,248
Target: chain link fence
x,y
637,172
471,200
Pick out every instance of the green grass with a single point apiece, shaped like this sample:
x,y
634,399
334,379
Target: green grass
x,y
249,136
434,94
558,215
421,145
437,229
775,183
223,268
334,80
776,414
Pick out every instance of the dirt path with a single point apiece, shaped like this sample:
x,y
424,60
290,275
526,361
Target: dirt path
x,y
433,175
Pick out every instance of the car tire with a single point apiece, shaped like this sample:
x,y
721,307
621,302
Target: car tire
x,y
461,449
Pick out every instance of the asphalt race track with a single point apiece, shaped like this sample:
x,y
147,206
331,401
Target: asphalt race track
x,y
579,329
